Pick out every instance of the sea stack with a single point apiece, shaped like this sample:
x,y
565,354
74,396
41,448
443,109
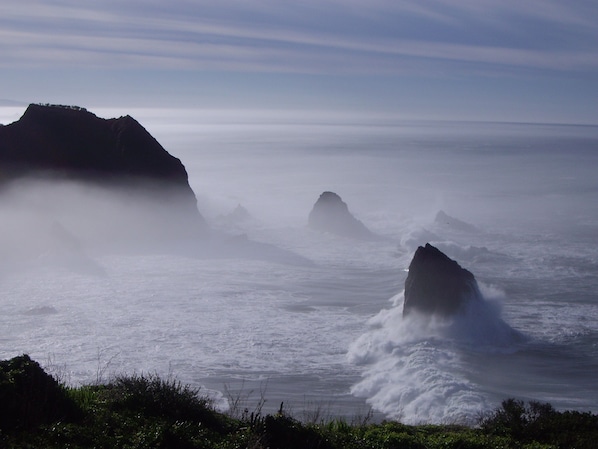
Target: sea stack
x,y
331,214
437,285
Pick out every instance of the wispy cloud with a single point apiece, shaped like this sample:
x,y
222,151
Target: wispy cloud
x,y
538,57
381,36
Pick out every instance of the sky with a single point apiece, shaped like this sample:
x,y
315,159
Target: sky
x,y
506,60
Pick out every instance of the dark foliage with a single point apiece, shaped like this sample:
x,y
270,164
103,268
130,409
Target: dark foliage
x,y
540,422
159,398
284,432
142,411
29,397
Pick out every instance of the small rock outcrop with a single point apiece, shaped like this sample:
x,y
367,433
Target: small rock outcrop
x,y
446,221
331,214
437,285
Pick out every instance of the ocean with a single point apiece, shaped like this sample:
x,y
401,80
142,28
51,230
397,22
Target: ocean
x,y
320,328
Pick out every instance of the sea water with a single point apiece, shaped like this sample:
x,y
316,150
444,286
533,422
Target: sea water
x,y
327,337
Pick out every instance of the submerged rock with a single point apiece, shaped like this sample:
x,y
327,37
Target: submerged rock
x,y
437,285
40,310
331,214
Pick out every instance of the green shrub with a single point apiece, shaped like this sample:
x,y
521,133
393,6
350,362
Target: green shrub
x,y
156,397
142,411
540,423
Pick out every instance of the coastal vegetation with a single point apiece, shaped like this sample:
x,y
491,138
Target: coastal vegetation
x,y
146,411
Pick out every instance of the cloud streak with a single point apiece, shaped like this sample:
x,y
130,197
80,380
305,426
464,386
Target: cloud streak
x,y
526,59
263,36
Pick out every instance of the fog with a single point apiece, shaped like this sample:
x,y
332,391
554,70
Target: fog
x,y
96,282
41,217
479,172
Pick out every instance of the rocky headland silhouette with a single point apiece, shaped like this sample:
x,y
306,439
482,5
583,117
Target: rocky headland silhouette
x,y
71,143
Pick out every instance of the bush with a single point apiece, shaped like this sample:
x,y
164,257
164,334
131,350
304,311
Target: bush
x,y
284,432
148,412
156,397
541,423
30,397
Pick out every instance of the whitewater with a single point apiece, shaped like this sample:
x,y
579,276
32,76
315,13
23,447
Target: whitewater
x,y
319,326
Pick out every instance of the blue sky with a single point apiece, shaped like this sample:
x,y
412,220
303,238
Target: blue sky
x,y
511,60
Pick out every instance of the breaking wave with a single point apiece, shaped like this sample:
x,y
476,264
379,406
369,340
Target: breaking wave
x,y
422,369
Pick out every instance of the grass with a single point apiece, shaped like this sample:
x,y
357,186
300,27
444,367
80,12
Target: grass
x,y
146,411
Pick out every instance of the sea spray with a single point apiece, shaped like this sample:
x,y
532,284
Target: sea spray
x,y
418,368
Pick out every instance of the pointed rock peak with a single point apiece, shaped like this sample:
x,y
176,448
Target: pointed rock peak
x,y
437,285
331,214
331,198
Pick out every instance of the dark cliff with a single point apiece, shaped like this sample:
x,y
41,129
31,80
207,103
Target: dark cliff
x,y
108,181
73,142
63,142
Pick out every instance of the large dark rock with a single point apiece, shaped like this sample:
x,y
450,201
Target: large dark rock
x,y
437,285
71,142
118,155
331,214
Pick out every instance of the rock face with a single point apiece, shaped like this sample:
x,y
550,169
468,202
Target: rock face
x,y
74,143
437,285
51,142
331,214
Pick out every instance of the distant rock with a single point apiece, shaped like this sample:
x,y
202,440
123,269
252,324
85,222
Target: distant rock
x,y
453,223
331,214
239,214
437,285
237,217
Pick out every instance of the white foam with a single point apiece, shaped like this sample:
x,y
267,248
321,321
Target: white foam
x,y
415,369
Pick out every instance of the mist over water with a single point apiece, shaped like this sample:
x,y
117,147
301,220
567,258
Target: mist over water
x,y
311,318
